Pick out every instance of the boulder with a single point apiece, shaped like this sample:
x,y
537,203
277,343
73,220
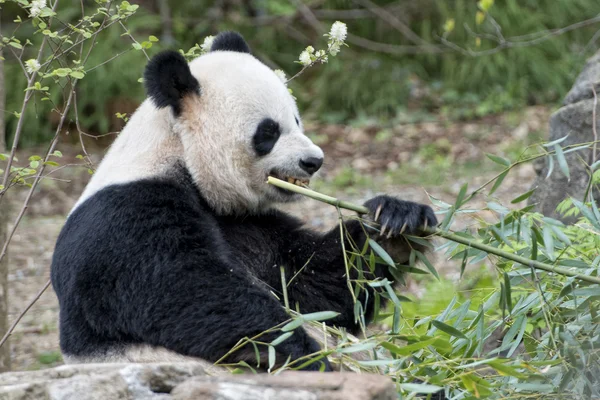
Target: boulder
x,y
575,120
187,381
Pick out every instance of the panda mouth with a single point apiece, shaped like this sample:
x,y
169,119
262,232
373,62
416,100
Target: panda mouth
x,y
302,182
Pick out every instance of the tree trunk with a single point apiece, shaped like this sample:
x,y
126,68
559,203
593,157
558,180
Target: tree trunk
x,y
5,349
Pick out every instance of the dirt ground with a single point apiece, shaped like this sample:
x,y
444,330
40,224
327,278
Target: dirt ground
x,y
409,160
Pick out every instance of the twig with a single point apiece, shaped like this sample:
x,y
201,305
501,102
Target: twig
x,y
16,322
438,232
394,22
530,39
594,130
19,128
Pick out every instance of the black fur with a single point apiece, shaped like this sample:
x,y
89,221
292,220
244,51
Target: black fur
x,y
168,79
150,262
230,41
399,216
266,135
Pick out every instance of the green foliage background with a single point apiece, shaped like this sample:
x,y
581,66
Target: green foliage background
x,y
358,81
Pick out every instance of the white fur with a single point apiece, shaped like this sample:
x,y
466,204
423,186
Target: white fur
x,y
213,135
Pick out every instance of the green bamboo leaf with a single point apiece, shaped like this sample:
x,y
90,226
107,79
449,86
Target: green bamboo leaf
x,y
461,196
548,242
290,326
429,266
508,294
382,253
498,160
420,388
498,182
554,142
522,197
561,235
550,166
272,357
448,329
562,161
355,348
585,210
506,370
282,338
320,316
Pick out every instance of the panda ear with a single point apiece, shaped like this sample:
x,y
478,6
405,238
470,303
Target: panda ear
x,y
168,80
230,41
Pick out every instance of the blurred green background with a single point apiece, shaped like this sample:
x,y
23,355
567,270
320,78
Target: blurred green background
x,y
383,74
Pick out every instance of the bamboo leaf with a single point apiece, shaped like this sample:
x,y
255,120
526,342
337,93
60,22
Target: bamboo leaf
x,y
498,182
272,357
522,197
448,329
320,316
290,326
382,253
420,388
498,159
562,161
282,338
428,264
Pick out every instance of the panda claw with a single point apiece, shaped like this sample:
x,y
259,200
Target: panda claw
x,y
382,230
403,229
378,212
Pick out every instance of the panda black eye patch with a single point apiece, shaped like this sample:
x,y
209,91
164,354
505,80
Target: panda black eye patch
x,y
266,135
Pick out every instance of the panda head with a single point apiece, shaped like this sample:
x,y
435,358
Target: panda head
x,y
237,124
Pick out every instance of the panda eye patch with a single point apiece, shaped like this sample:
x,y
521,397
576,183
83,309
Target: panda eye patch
x,y
266,135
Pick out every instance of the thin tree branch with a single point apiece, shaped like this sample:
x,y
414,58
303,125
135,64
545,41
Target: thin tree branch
x,y
23,312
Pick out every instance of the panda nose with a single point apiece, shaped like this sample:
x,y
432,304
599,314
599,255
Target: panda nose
x,y
311,164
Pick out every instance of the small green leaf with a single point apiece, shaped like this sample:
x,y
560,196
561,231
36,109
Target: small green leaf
x,y
448,329
271,357
498,182
381,253
420,388
498,159
557,141
522,197
320,316
282,338
428,264
290,326
77,74
562,161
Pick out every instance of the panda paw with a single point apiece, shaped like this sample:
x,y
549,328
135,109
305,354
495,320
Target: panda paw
x,y
396,216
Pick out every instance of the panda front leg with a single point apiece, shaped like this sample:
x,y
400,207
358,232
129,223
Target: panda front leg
x,y
207,318
321,283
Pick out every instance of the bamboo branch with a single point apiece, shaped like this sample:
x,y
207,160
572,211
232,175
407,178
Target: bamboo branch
x,y
437,232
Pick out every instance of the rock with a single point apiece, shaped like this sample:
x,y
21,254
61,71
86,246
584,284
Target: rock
x,y
575,120
289,386
189,380
99,381
582,89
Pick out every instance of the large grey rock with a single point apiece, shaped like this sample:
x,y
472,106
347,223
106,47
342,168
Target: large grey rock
x,y
288,386
582,89
187,381
575,120
99,381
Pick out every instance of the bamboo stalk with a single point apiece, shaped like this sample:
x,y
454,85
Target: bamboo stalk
x,y
437,232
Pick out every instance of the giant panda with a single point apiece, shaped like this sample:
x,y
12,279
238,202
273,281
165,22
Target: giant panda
x,y
175,246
